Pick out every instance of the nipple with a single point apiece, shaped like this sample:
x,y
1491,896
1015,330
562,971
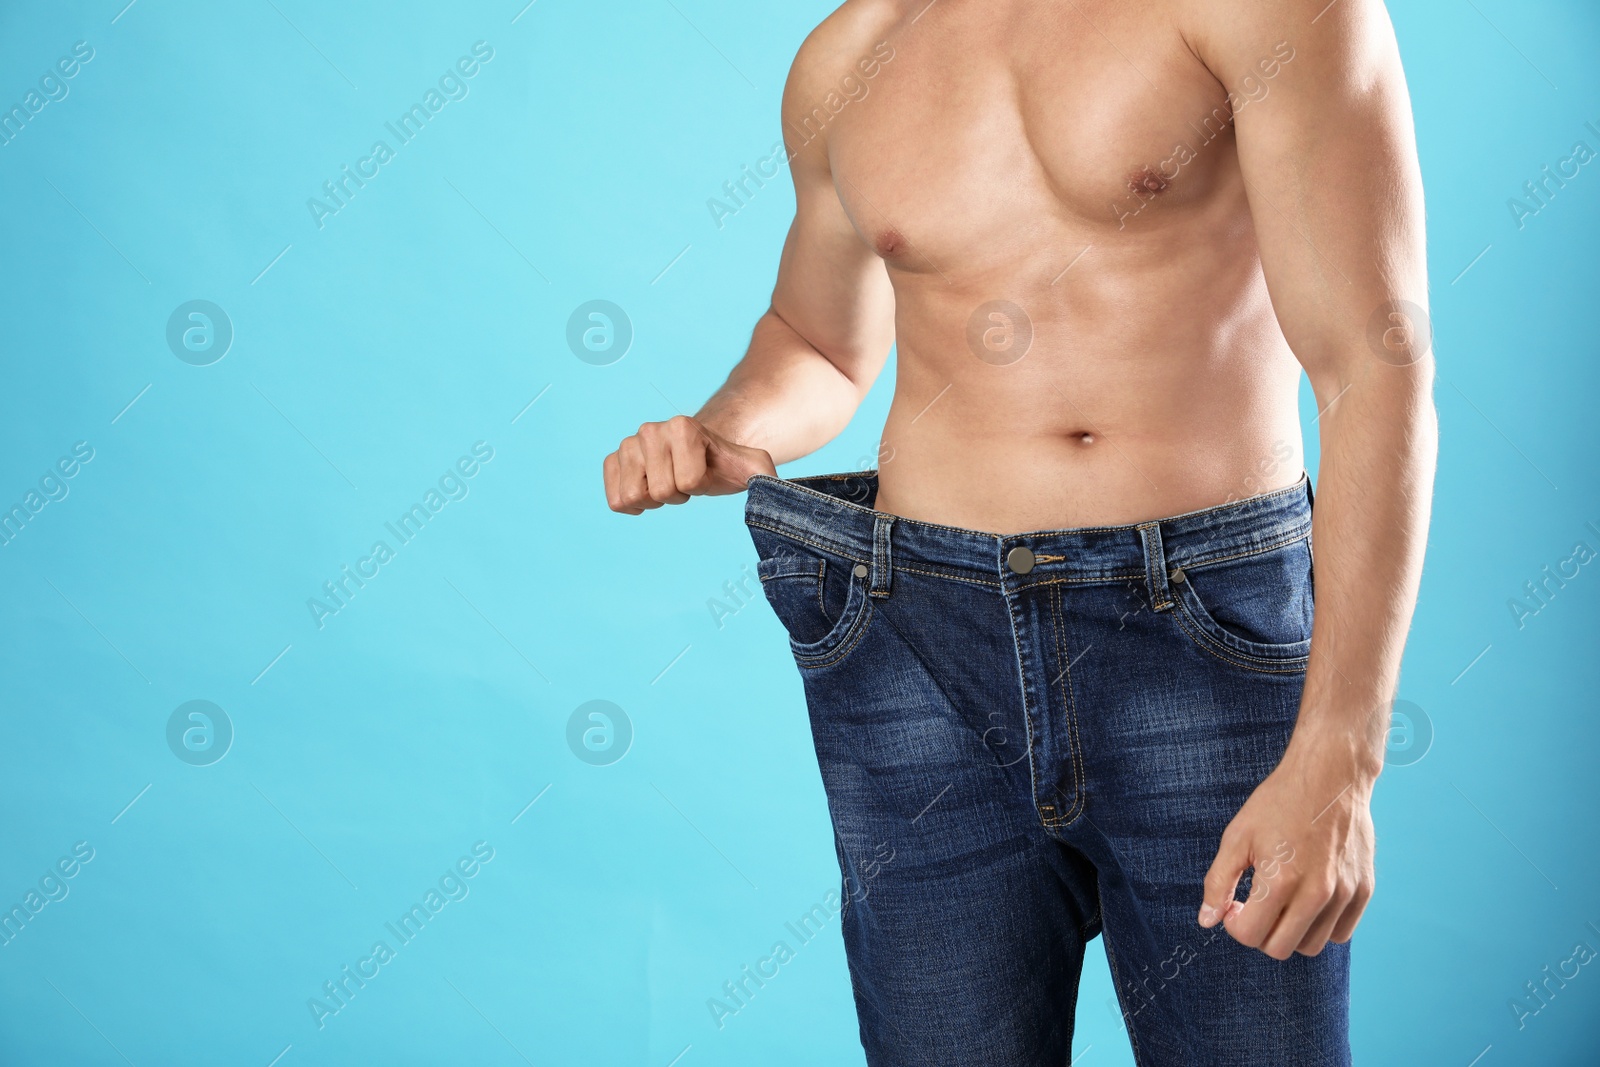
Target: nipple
x,y
1147,182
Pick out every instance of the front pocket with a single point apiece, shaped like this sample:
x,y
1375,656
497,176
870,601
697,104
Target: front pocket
x,y
820,601
793,585
1254,612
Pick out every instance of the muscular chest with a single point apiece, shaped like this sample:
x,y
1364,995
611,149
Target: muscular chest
x,y
999,127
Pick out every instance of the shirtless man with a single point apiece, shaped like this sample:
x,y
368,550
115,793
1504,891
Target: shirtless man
x,y
1058,648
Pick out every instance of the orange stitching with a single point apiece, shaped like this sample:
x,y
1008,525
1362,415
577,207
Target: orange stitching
x,y
1250,501
1080,785
1205,643
851,638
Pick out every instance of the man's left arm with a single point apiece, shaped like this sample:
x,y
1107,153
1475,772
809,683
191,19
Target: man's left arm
x,y
1329,163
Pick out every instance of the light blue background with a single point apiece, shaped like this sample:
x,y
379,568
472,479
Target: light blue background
x,y
425,716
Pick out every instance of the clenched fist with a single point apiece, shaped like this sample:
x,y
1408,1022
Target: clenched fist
x,y
668,462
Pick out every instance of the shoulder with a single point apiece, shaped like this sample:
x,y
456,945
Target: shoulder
x,y
836,62
1352,38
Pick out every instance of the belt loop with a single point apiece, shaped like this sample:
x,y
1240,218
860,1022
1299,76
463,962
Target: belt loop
x,y
1155,567
882,566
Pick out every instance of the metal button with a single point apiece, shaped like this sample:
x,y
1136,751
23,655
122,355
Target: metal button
x,y
1020,559
1177,575
861,570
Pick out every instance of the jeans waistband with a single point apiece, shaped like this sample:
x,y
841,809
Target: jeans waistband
x,y
835,512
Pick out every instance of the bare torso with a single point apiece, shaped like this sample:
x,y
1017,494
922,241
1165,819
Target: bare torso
x,y
1066,214
1083,331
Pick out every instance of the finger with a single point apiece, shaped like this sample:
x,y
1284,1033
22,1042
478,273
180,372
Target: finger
x,y
1256,917
688,447
1321,928
660,482
612,470
635,493
753,461
1222,880
1345,928
734,465
1309,901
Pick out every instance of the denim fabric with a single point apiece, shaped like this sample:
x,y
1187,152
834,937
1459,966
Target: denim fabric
x,y
1016,762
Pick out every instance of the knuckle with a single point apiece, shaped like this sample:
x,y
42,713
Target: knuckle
x,y
663,490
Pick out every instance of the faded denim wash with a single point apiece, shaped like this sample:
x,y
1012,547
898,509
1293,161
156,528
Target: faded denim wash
x,y
1025,749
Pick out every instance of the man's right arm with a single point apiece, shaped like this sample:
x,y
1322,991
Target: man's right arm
x,y
814,353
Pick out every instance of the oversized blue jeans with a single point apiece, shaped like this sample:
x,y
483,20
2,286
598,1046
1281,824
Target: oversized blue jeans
x,y
1030,740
